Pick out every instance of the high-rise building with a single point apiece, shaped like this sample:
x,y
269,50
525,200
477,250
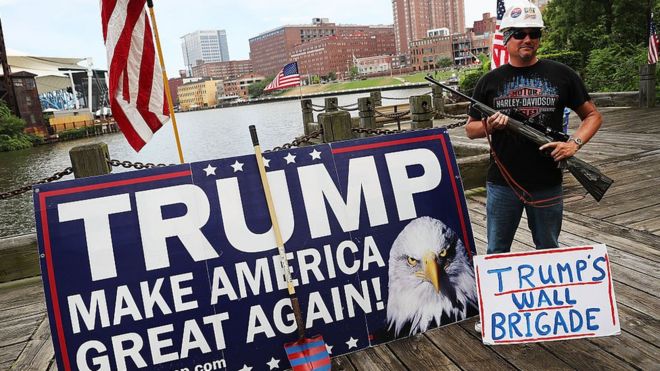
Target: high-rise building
x,y
204,46
271,50
413,18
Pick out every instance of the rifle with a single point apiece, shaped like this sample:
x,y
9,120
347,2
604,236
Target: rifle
x,y
595,182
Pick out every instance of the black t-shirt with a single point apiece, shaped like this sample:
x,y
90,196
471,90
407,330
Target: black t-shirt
x,y
539,92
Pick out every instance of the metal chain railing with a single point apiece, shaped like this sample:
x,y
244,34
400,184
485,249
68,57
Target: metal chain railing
x,y
15,192
396,131
137,165
298,141
393,116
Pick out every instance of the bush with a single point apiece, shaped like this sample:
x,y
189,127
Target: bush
x,y
72,134
469,80
614,68
570,58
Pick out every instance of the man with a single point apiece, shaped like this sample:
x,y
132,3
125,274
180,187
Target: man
x,y
528,177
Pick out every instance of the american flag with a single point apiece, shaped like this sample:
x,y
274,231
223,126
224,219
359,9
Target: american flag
x,y
653,43
286,78
137,92
499,54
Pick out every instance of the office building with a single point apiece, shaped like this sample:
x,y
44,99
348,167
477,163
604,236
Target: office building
x,y
271,50
204,46
413,18
223,70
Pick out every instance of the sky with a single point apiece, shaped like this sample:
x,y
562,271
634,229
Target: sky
x,y
72,28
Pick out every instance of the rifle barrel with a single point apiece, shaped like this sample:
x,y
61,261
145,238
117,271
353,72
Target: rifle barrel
x,y
595,182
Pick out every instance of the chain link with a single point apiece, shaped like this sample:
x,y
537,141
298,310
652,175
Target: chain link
x,y
394,116
57,176
137,165
298,141
396,131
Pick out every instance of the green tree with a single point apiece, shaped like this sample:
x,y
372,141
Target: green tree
x,y
442,62
256,89
11,131
614,68
585,25
9,124
353,72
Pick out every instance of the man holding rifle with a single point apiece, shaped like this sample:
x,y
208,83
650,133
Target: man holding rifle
x,y
521,174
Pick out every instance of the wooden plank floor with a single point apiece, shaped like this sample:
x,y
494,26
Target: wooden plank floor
x,y
628,220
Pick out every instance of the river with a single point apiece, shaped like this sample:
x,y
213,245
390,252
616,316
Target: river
x,y
205,135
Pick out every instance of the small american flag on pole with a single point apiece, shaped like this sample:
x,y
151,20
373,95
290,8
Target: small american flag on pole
x,y
288,77
499,54
137,92
653,43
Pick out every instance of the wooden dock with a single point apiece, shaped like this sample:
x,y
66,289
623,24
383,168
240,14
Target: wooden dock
x,y
627,149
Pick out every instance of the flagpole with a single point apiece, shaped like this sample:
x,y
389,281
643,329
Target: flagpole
x,y
166,86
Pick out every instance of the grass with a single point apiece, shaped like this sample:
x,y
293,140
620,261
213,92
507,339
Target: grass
x,y
372,82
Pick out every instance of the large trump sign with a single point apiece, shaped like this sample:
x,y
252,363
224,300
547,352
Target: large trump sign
x,y
177,267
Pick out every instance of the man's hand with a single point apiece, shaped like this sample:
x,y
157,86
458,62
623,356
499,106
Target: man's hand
x,y
561,150
497,121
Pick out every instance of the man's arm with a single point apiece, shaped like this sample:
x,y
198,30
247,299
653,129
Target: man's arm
x,y
591,121
475,128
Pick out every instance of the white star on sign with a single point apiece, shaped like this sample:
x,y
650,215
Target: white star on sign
x,y
245,368
329,348
316,155
210,170
238,166
274,363
290,159
266,162
352,343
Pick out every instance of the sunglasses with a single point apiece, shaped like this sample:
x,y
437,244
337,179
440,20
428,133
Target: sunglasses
x,y
520,34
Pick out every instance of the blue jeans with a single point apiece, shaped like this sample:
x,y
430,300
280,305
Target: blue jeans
x,y
504,210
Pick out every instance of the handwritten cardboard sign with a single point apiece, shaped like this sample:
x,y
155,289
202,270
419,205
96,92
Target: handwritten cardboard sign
x,y
546,295
177,267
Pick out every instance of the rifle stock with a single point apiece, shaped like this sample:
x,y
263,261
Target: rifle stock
x,y
595,182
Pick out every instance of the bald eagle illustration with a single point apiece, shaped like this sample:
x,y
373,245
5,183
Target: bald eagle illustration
x,y
430,277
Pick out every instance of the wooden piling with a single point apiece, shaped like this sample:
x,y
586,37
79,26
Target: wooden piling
x,y
307,114
331,104
647,86
421,112
366,113
376,98
336,126
90,160
438,101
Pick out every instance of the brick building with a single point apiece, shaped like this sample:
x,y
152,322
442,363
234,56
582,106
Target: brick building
x,y
271,50
27,102
223,70
336,53
485,25
198,94
239,86
413,18
425,53
373,65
